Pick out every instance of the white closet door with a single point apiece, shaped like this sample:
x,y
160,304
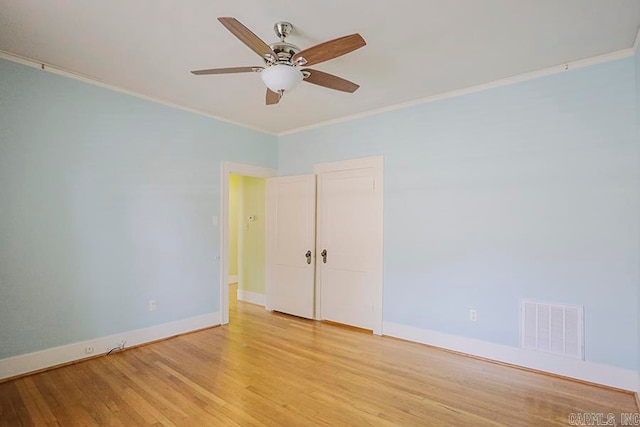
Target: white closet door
x,y
350,231
290,235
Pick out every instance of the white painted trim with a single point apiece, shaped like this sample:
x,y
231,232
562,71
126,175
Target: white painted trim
x,y
349,164
377,163
92,81
227,169
233,279
252,297
625,53
55,356
612,376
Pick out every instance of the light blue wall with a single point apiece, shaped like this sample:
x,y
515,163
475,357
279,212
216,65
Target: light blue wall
x,y
525,191
106,201
529,190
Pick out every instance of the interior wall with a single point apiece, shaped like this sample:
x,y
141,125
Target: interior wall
x,y
106,201
524,191
233,225
529,190
251,265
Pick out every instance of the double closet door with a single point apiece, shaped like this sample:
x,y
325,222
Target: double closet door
x,y
324,244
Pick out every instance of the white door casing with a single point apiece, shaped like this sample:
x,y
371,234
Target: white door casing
x,y
290,236
227,169
349,285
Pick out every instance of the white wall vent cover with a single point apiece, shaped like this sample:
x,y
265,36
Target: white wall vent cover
x,y
553,328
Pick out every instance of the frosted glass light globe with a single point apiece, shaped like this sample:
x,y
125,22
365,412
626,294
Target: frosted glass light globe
x,y
281,77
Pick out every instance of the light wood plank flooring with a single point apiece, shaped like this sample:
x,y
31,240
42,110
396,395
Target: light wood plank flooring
x,y
273,369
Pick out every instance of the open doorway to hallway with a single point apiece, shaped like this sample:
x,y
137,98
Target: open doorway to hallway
x,y
253,224
247,237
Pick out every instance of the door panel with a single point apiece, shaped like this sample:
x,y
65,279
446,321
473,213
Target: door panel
x,y
345,304
291,210
348,228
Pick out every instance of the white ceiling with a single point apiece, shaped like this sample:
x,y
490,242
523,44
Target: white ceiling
x,y
415,48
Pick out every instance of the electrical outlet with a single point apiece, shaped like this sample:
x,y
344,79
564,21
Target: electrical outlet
x,y
152,305
473,315
88,349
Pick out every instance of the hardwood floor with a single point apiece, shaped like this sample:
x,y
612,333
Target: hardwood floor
x,y
273,369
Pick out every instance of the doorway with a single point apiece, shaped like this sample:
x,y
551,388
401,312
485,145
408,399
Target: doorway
x,y
247,198
241,170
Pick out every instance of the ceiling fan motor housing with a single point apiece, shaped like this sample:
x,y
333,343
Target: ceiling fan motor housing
x,y
284,51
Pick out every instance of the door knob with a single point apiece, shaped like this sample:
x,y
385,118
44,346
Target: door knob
x,y
324,255
308,255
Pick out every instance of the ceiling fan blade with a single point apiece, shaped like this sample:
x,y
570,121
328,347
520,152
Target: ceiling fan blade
x,y
226,70
329,80
331,49
247,37
272,97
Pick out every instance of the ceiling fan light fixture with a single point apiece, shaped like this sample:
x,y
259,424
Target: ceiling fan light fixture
x,y
281,77
284,61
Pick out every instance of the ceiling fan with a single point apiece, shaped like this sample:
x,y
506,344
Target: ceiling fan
x,y
283,61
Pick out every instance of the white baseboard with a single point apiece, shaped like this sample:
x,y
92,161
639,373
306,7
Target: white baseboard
x,y
233,279
252,297
612,376
25,363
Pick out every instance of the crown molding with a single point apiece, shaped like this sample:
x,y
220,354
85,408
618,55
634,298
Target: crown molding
x,y
569,66
92,81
